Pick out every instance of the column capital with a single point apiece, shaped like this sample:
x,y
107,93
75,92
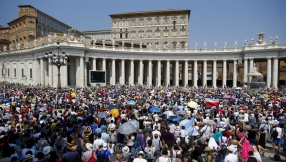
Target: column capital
x,y
269,57
224,60
150,60
214,60
187,60
122,59
167,60
205,60
103,58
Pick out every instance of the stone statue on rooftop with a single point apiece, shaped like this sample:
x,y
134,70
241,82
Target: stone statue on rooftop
x,y
55,37
123,43
81,39
245,42
167,45
187,46
132,44
35,42
149,45
64,37
270,41
4,48
103,43
225,44
26,44
159,46
215,44
18,46
196,45
205,45
260,40
276,40
252,41
140,45
41,41
49,38
235,44
11,47
113,42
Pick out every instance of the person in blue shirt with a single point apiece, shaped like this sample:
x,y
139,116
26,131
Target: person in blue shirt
x,y
104,151
93,128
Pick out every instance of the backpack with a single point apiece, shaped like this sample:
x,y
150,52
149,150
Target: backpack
x,y
274,134
251,159
150,154
223,145
92,158
101,157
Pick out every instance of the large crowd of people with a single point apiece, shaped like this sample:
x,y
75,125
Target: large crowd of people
x,y
124,123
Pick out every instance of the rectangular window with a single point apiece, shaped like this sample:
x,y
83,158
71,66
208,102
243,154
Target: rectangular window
x,y
120,24
157,21
8,72
174,33
149,34
114,24
166,21
158,34
126,23
140,22
166,34
133,23
22,72
114,35
3,71
15,74
183,33
174,45
149,22
183,20
31,73
183,45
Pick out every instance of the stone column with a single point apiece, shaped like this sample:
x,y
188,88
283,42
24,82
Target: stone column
x,y
275,72
195,75
103,65
234,78
94,64
131,72
177,73
205,73
167,73
64,75
268,81
159,73
113,75
150,73
122,77
50,72
250,68
245,70
140,78
42,71
224,72
214,76
186,73
81,71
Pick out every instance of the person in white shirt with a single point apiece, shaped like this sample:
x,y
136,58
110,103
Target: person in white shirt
x,y
278,141
230,157
140,157
156,132
98,142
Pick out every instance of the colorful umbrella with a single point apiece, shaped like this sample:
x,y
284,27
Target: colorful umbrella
x,y
126,128
193,104
114,113
153,109
73,94
110,107
131,102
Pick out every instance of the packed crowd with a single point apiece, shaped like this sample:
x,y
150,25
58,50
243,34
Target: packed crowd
x,y
124,124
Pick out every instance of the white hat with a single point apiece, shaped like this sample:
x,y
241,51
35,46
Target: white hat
x,y
105,146
141,152
47,150
125,149
89,146
230,148
178,128
41,122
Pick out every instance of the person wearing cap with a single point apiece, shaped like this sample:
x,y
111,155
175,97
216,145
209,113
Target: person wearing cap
x,y
125,153
230,157
140,157
104,152
264,125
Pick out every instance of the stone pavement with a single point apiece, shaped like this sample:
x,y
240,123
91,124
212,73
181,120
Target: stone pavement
x,y
269,154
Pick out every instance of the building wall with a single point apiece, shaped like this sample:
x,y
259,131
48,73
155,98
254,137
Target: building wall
x,y
154,28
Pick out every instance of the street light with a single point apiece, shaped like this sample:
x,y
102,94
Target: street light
x,y
58,60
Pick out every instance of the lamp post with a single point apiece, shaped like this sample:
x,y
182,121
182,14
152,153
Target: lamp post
x,y
58,60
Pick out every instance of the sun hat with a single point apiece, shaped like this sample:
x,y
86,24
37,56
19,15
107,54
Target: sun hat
x,y
178,128
230,148
112,127
125,149
234,142
207,149
264,121
89,146
28,157
47,150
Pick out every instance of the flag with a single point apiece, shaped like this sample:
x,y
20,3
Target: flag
x,y
226,97
211,102
189,126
